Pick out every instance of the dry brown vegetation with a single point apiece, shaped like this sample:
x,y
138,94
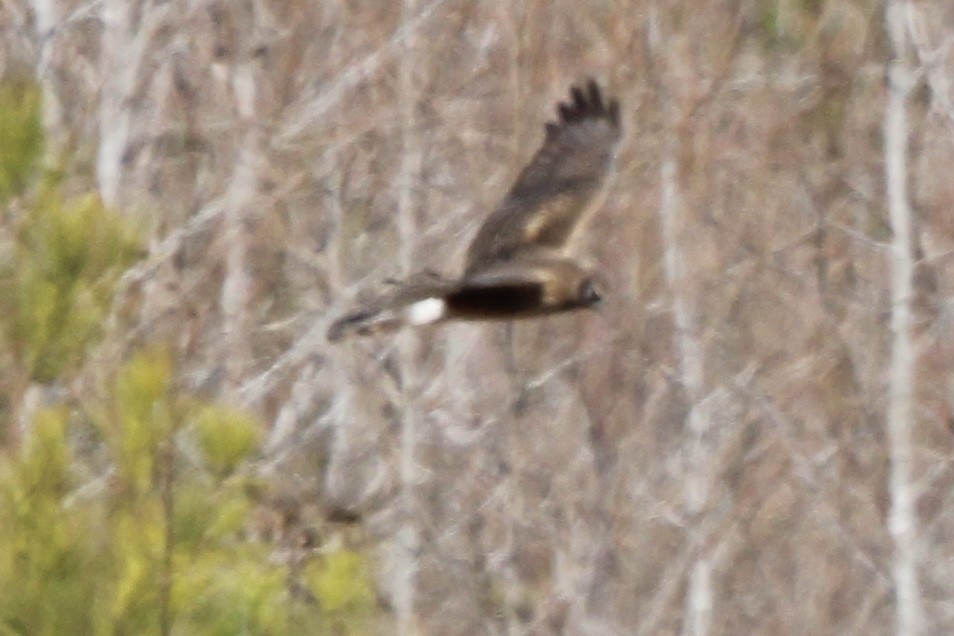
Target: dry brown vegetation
x,y
709,454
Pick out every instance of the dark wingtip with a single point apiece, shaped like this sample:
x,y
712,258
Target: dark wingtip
x,y
586,101
596,98
579,99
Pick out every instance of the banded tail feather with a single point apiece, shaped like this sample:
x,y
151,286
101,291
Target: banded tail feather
x,y
386,319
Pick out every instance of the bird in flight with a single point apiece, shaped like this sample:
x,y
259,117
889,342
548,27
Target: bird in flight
x,y
519,265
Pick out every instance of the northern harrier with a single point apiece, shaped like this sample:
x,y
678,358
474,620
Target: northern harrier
x,y
519,264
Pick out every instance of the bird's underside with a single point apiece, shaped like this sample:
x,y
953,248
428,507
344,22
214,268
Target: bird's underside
x,y
512,291
517,265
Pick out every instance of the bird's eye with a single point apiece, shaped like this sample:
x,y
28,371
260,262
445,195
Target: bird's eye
x,y
590,293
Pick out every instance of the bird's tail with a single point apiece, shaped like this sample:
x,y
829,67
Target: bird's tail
x,y
365,323
414,306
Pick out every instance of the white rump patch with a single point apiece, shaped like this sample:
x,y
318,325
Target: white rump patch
x,y
425,311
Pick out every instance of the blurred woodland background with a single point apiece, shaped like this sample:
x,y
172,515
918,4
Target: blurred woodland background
x,y
753,436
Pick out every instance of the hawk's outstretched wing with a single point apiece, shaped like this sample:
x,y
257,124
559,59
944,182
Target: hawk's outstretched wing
x,y
552,194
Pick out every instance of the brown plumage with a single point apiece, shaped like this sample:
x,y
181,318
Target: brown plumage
x,y
518,265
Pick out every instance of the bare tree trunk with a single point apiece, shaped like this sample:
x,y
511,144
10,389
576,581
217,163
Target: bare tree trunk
x,y
696,491
699,602
409,345
47,19
902,521
114,113
235,294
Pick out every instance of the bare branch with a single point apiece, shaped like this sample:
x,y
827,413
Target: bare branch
x,y
903,518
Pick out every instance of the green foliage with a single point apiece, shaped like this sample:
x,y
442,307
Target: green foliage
x,y
341,584
161,545
132,591
157,544
144,421
227,436
42,548
220,594
21,136
67,258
